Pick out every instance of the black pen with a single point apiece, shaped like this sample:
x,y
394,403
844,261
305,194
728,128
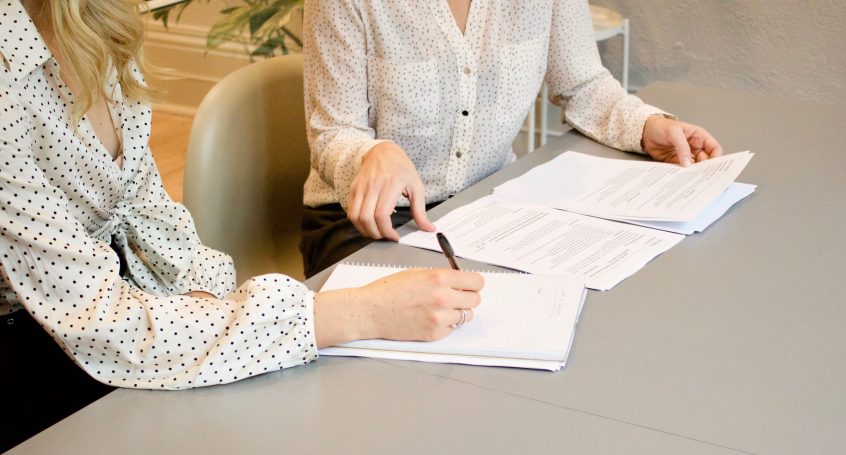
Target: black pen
x,y
448,251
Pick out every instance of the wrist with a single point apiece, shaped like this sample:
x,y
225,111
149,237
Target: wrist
x,y
341,316
649,124
379,149
360,314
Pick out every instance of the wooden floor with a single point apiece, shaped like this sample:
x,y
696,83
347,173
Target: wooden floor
x,y
169,142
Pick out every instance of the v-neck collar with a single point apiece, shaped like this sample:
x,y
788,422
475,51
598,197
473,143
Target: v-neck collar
x,y
85,130
446,21
104,154
24,63
116,105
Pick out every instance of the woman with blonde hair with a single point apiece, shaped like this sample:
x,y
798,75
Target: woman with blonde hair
x,y
98,262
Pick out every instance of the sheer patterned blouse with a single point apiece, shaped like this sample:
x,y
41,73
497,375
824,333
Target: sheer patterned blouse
x,y
63,201
403,71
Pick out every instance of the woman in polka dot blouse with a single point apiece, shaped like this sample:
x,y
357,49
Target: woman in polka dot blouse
x,y
411,102
98,260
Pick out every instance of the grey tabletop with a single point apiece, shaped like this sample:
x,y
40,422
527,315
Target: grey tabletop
x,y
734,341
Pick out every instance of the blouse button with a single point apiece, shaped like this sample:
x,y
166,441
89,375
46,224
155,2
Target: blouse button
x,y
458,154
465,113
467,70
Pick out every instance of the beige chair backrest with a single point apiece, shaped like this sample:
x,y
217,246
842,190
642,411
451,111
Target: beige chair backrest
x,y
248,158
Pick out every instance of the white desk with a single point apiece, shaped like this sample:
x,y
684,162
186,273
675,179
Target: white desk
x,y
732,342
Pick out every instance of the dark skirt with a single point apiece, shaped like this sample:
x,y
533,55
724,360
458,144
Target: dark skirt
x,y
329,236
41,385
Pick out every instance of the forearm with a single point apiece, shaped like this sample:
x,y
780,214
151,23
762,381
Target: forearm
x,y
336,92
337,152
340,317
593,101
603,111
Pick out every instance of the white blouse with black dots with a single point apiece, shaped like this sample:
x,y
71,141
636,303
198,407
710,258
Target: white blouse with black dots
x,y
403,71
63,201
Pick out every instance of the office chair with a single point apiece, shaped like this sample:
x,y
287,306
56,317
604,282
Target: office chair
x,y
248,158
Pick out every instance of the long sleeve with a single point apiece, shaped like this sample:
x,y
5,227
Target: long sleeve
x,y
157,237
118,333
593,101
336,101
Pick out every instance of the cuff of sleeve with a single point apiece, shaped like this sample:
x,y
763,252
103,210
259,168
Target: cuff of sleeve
x,y
349,166
634,141
310,336
287,306
210,271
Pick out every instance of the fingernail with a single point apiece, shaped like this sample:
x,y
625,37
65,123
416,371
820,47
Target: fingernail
x,y
686,162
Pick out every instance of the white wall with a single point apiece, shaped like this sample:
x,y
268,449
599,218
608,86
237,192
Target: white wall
x,y
782,48
181,49
790,49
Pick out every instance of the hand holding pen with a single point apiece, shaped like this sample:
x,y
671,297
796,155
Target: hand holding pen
x,y
446,248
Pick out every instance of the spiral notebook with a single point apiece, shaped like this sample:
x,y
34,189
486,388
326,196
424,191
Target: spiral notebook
x,y
524,321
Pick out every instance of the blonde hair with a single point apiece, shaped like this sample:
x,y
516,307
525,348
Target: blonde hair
x,y
94,35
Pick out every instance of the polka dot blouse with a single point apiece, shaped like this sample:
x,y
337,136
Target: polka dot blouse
x,y
403,71
63,201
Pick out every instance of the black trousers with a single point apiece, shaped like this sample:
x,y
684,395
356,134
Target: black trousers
x,y
329,236
40,384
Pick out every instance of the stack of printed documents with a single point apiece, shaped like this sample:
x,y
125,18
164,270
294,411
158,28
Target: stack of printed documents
x,y
594,218
660,195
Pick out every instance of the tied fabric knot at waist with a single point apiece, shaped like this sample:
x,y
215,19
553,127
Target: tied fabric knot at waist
x,y
145,242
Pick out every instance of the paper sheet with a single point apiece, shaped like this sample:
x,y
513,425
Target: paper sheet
x,y
549,365
521,316
524,321
624,189
735,193
546,241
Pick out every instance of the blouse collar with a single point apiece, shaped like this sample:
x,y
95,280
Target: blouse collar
x,y
22,49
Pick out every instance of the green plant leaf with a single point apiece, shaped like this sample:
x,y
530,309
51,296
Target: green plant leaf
x,y
229,28
290,35
164,13
260,17
279,18
259,24
268,48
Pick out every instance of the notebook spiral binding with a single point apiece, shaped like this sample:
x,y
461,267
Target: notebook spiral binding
x,y
403,267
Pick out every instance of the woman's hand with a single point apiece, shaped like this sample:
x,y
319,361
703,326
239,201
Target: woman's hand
x,y
678,142
386,174
415,305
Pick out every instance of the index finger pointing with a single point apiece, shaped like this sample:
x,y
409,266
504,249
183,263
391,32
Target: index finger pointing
x,y
417,200
387,201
